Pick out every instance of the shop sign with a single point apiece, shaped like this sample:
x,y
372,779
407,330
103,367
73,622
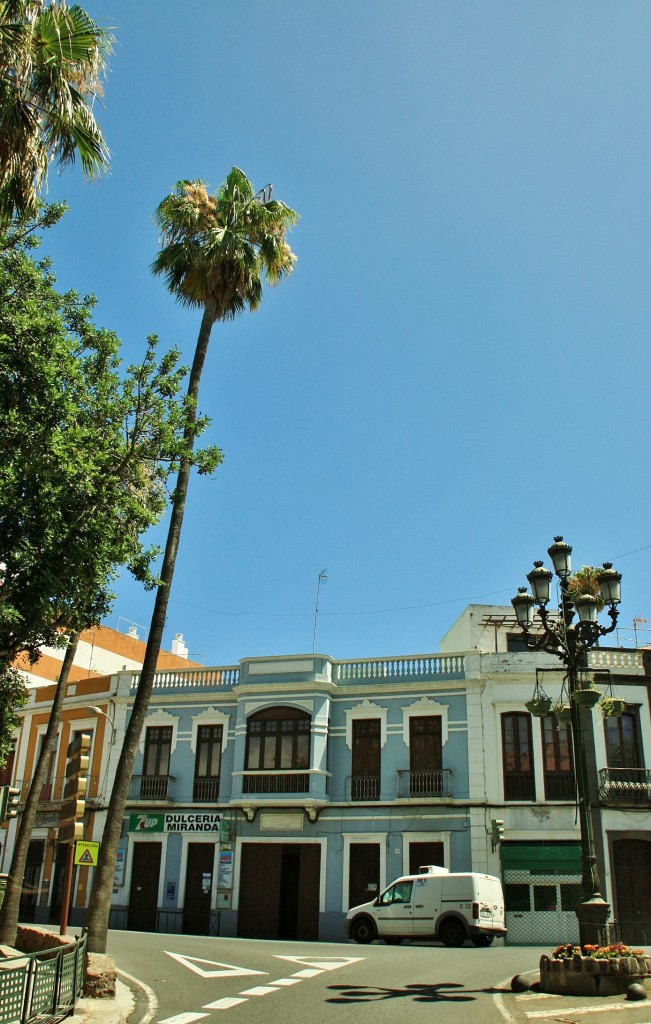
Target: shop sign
x,y
146,822
183,821
205,821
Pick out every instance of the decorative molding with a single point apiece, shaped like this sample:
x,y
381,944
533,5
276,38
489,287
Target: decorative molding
x,y
421,708
366,709
209,716
159,718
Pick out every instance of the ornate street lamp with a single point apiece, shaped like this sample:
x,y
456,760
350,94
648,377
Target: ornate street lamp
x,y
571,641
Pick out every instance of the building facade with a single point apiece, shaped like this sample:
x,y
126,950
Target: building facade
x,y
271,796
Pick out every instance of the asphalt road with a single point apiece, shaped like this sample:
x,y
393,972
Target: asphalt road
x,y
246,981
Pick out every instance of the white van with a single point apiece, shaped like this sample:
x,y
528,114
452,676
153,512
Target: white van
x,y
434,904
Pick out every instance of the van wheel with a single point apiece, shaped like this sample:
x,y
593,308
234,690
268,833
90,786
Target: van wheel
x,y
393,940
452,932
361,930
481,940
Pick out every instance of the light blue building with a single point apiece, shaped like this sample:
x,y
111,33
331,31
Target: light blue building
x,y
268,798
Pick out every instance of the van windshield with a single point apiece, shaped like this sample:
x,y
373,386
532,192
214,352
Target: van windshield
x,y
398,893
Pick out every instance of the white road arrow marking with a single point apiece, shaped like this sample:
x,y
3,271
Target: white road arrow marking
x,y
323,963
225,970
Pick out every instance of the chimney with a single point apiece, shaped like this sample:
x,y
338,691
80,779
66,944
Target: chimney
x,y
178,646
133,632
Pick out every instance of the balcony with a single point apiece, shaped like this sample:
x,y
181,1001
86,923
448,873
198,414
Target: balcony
x,y
151,787
428,785
560,786
276,782
206,790
625,786
52,789
365,787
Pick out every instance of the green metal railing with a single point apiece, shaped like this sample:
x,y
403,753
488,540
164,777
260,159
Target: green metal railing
x,y
42,987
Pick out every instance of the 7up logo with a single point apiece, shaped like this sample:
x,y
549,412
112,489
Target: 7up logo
x,y
146,823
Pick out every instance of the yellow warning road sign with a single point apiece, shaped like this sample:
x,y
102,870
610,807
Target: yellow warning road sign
x,y
86,853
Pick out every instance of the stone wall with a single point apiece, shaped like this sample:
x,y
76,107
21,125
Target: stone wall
x,y
590,976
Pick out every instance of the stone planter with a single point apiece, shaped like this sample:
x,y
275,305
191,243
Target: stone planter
x,y
590,976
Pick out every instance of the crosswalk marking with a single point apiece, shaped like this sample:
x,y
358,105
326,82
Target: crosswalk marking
x,y
259,990
309,972
183,1018
224,1004
286,981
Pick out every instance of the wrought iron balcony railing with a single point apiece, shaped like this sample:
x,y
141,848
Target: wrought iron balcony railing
x,y
430,784
151,787
276,782
52,789
625,785
365,787
205,790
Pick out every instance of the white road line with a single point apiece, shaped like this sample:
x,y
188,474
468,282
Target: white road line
x,y
183,1018
576,1010
286,981
259,990
224,1004
309,972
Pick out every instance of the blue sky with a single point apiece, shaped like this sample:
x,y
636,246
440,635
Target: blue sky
x,y
457,370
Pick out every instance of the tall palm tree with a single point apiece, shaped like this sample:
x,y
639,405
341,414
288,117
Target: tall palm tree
x,y
51,60
216,253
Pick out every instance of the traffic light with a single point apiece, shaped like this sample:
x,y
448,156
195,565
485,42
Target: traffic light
x,y
9,800
497,831
71,826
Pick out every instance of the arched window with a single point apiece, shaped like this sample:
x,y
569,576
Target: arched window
x,y
278,739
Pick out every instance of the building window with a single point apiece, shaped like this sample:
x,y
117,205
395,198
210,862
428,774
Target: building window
x,y
278,740
156,765
207,763
425,755
365,782
622,741
517,759
558,762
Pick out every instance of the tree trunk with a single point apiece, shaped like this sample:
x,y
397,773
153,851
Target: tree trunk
x,y
11,903
100,898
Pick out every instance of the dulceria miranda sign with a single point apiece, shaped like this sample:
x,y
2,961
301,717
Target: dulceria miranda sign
x,y
183,821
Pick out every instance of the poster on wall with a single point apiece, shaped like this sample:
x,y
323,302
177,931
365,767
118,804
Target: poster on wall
x,y
225,872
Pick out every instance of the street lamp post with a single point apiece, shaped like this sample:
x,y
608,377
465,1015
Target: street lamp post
x,y
571,641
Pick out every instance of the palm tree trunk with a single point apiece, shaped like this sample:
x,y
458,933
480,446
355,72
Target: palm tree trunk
x,y
11,902
100,898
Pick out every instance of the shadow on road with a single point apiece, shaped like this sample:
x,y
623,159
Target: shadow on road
x,y
419,993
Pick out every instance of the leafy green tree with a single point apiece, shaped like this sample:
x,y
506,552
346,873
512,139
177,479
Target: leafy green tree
x,y
52,59
87,454
13,696
216,253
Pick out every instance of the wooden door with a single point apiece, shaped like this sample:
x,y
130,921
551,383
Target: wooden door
x,y
198,888
363,873
424,853
143,897
632,867
260,872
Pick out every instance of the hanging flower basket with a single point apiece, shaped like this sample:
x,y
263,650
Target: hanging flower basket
x,y
612,707
563,713
539,707
587,698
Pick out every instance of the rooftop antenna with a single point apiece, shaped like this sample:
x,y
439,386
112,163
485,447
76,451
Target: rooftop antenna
x,y
323,575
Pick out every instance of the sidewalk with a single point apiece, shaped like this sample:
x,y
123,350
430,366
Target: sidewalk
x,y
106,1011
533,1007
